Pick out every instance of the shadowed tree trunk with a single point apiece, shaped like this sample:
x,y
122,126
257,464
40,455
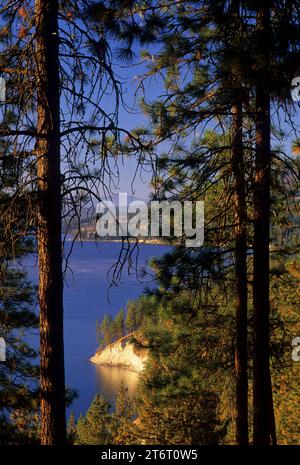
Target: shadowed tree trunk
x,y
241,352
49,225
263,411
240,230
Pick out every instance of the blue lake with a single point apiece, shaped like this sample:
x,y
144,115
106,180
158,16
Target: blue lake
x,y
87,297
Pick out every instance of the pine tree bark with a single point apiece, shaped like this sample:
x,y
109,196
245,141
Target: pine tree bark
x,y
263,411
53,427
241,351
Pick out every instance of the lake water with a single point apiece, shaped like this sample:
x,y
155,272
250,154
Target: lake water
x,y
85,302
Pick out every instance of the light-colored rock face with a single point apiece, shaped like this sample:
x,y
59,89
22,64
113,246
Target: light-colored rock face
x,y
123,353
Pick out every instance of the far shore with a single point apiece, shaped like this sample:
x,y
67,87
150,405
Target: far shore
x,y
132,241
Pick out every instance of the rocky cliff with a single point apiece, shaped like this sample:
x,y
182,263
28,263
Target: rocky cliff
x,y
127,352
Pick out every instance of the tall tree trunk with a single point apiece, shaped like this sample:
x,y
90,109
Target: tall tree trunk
x,y
263,411
241,352
53,429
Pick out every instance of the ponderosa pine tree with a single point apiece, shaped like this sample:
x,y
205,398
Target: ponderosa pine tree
x,y
176,401
95,427
104,331
49,232
19,372
263,410
209,29
122,423
227,37
102,426
56,58
199,66
119,325
272,68
233,32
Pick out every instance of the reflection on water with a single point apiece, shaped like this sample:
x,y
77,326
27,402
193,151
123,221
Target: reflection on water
x,y
109,379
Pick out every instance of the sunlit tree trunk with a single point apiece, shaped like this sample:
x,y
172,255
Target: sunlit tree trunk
x,y
49,225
